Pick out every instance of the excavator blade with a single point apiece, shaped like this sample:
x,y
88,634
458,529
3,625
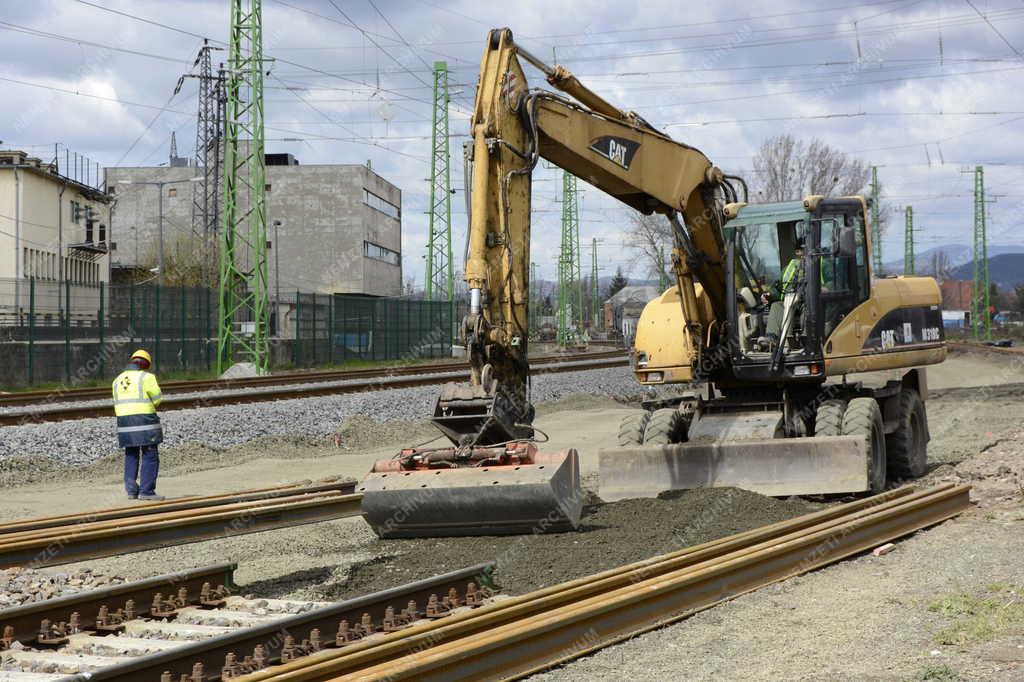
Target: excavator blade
x,y
771,466
539,494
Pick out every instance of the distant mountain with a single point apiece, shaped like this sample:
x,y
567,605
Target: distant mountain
x,y
1005,270
956,254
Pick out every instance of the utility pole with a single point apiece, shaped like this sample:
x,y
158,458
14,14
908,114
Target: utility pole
x,y
908,243
243,305
570,298
876,227
440,279
981,321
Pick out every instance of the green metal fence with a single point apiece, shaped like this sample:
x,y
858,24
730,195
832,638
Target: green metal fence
x,y
62,332
342,327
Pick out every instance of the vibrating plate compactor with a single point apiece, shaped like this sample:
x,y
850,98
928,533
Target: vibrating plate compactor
x,y
491,480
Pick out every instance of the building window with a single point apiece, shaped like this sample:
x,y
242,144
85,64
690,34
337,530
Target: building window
x,y
172,192
76,212
377,252
382,205
266,187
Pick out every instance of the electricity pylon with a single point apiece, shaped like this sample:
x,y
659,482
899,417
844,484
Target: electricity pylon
x,y
570,298
981,302
908,243
876,227
244,310
440,280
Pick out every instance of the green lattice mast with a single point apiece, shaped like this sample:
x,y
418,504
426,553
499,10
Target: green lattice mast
x,y
244,310
570,298
595,289
876,226
980,289
908,243
440,278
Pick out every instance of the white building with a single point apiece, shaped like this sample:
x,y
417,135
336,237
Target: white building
x,y
53,229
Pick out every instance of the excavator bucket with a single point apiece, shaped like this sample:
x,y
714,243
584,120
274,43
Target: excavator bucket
x,y
771,466
493,491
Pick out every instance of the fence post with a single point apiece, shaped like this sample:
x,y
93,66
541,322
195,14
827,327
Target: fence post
x,y
31,330
296,351
209,330
157,329
316,358
67,331
131,310
330,329
181,348
102,353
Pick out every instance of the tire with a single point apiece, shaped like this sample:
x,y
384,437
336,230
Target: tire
x,y
828,420
907,447
863,417
666,426
631,430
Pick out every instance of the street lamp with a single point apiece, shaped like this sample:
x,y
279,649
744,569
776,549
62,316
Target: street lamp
x,y
159,184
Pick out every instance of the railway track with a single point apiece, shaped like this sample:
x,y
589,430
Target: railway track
x,y
66,538
48,408
518,636
189,625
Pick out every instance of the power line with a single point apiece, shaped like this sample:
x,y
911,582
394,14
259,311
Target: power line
x,y
7,26
996,30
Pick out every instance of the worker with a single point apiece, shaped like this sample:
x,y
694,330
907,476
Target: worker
x,y
136,397
785,289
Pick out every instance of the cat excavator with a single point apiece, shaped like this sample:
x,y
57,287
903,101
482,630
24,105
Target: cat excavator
x,y
773,309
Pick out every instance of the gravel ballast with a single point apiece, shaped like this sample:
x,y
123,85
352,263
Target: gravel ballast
x,y
77,443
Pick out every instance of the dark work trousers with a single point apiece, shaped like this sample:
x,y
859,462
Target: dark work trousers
x,y
140,477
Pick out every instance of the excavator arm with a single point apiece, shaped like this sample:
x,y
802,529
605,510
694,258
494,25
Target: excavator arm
x,y
513,126
493,479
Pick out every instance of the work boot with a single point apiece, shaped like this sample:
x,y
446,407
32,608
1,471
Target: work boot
x,y
132,497
152,498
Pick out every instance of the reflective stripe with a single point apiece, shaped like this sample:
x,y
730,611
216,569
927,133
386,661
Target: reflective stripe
x,y
155,398
130,401
144,427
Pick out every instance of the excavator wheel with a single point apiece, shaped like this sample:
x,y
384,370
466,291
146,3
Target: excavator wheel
x,y
666,426
631,430
863,417
907,447
829,419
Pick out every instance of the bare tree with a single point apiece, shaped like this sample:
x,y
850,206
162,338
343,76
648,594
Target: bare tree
x,y
788,169
650,239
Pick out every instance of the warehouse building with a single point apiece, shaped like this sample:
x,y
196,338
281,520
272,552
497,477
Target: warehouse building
x,y
333,228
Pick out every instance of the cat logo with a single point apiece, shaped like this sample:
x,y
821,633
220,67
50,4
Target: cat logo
x,y
618,150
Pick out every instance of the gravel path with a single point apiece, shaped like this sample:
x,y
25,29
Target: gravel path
x,y
76,443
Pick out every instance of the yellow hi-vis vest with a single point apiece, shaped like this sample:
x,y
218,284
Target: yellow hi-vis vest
x,y
135,392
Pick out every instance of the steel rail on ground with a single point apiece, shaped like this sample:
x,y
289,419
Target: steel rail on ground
x,y
161,527
516,637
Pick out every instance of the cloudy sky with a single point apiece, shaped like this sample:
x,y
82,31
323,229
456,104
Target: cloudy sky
x,y
922,88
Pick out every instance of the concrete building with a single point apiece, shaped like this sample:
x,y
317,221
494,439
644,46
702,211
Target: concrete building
x,y
53,229
331,228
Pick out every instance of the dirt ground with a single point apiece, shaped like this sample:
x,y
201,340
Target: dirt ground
x,y
867,618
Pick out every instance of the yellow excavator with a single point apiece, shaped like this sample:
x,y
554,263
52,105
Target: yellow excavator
x,y
774,307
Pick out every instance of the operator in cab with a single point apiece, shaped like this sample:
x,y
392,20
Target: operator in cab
x,y
783,292
136,397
